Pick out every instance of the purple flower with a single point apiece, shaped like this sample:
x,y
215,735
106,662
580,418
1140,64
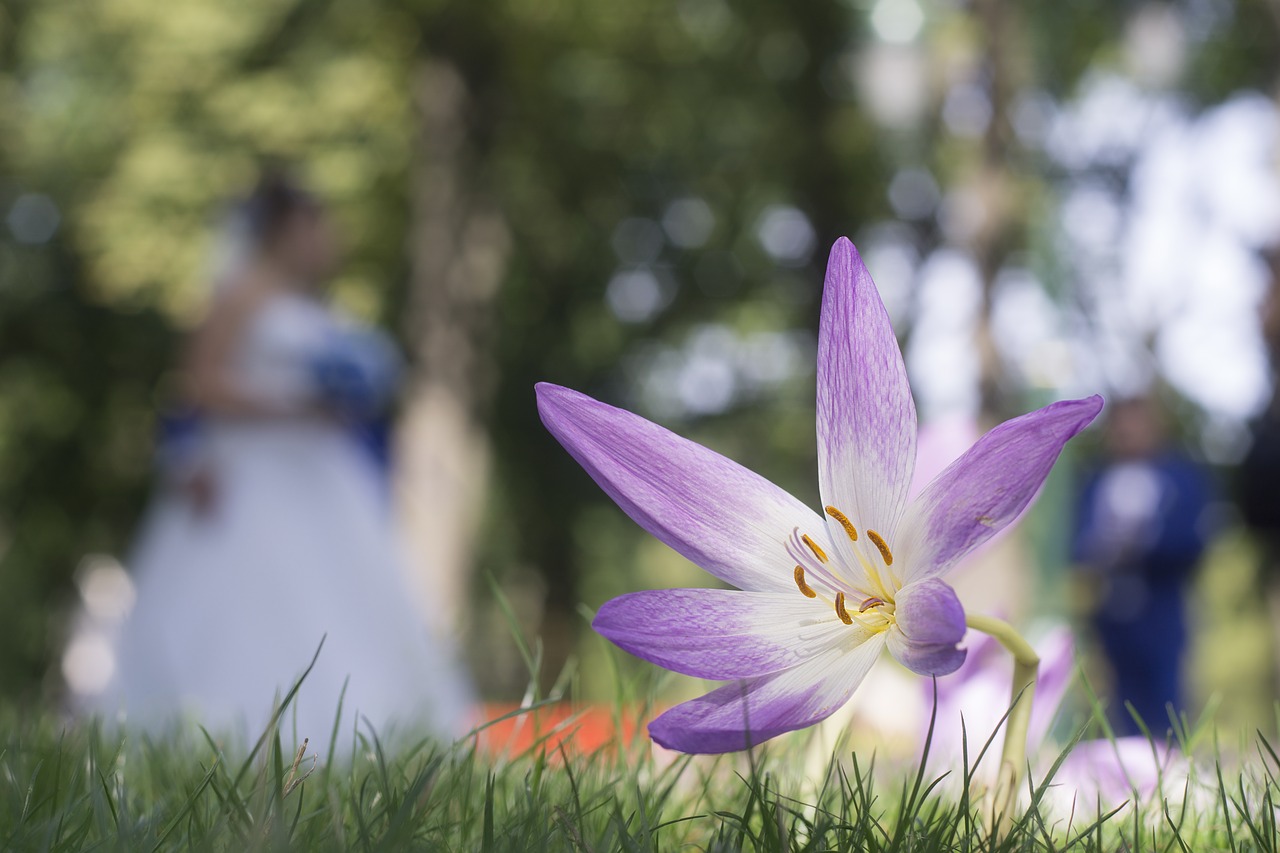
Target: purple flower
x,y
819,595
1103,775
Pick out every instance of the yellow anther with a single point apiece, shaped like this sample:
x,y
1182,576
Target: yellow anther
x,y
878,541
813,546
869,603
844,522
840,611
804,587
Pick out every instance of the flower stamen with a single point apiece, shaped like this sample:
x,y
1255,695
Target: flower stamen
x,y
804,587
817,575
878,541
840,611
844,522
869,603
813,546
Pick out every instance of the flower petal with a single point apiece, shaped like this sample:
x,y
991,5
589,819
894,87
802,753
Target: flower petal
x,y
866,417
930,622
730,521
723,634
987,488
1057,673
745,713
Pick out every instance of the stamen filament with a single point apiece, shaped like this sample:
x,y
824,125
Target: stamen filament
x,y
884,590
844,522
817,575
804,587
878,541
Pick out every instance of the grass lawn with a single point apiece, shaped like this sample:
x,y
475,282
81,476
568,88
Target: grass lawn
x,y
556,778
74,786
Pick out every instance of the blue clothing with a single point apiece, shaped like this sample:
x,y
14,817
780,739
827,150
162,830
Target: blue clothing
x,y
1141,530
355,373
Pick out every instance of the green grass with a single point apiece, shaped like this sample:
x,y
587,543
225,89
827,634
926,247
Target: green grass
x,y
73,786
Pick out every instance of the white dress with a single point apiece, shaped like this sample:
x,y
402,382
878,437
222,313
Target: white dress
x,y
297,545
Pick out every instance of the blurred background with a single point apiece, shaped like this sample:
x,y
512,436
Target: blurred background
x,y
636,200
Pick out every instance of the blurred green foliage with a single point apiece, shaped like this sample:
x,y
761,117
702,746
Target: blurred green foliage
x,y
137,120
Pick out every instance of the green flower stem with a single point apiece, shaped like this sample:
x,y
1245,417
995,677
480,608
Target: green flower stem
x,y
1026,666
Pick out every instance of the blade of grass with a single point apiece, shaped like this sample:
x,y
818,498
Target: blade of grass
x,y
277,714
186,807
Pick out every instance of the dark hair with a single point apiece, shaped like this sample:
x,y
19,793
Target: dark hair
x,y
1271,256
274,201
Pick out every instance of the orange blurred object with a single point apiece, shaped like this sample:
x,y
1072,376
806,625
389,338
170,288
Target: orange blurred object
x,y
562,728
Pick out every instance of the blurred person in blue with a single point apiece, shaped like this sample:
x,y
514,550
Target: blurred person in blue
x,y
271,529
1142,525
1257,479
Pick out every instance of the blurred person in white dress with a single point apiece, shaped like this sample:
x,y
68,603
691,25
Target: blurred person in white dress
x,y
272,527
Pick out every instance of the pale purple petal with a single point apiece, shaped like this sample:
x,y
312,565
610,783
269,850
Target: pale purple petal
x,y
743,714
1057,672
866,417
930,625
987,488
728,520
1105,773
723,634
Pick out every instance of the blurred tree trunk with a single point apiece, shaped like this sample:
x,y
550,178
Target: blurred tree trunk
x,y
999,582
458,245
996,186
